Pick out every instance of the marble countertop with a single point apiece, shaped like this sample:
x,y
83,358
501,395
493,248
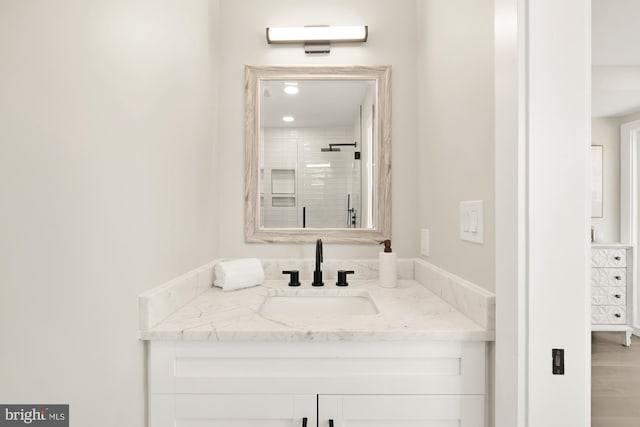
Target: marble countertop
x,y
408,312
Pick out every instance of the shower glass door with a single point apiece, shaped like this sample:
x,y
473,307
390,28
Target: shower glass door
x,y
331,179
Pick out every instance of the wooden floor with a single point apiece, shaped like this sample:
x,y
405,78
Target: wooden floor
x,y
615,381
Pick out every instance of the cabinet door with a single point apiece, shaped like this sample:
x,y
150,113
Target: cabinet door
x,y
226,410
401,411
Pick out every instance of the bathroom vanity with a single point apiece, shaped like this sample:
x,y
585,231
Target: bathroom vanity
x,y
267,383
401,356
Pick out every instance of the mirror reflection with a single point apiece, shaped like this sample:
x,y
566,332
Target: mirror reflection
x,y
317,153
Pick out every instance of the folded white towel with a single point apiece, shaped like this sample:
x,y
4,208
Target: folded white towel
x,y
238,274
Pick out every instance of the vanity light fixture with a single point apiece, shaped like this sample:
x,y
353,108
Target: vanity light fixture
x,y
318,38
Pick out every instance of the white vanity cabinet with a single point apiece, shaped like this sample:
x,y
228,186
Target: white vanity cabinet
x,y
346,383
237,410
611,289
400,410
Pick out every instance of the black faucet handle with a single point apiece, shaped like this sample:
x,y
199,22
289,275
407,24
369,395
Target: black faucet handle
x,y
294,277
342,277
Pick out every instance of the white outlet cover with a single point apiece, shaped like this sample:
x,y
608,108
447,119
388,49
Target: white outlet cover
x,y
472,221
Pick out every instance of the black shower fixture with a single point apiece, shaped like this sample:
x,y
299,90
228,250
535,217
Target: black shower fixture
x,y
325,149
332,147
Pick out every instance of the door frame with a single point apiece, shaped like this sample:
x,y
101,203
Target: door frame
x,y
542,119
629,149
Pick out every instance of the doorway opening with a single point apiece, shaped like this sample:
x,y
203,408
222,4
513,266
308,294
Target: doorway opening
x,y
629,205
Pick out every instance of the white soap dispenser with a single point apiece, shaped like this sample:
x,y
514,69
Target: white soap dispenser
x,y
387,267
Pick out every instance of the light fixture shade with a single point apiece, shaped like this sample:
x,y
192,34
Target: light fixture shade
x,y
345,34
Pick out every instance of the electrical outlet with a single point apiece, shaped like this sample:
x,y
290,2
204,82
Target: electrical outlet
x,y
557,354
424,242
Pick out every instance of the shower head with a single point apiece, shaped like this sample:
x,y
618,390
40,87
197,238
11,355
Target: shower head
x,y
332,147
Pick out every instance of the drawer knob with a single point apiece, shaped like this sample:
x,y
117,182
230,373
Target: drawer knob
x,y
617,258
618,315
618,277
304,422
618,296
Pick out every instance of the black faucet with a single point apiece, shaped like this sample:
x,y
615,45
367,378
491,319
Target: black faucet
x,y
317,273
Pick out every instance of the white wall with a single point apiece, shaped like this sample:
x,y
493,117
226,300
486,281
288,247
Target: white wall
x,y
107,123
606,132
629,118
455,116
391,41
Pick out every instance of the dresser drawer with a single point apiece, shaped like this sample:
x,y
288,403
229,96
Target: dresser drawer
x,y
608,295
608,315
608,277
608,257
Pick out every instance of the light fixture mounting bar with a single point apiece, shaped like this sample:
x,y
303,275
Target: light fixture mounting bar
x,y
318,34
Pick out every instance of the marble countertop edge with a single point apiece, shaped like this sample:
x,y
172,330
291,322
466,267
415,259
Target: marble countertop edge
x,y
283,336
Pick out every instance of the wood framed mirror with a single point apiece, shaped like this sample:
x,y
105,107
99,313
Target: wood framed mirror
x,y
317,153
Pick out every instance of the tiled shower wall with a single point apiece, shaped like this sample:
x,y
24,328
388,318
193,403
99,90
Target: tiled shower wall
x,y
323,180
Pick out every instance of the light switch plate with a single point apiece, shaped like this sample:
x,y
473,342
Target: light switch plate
x,y
472,221
424,242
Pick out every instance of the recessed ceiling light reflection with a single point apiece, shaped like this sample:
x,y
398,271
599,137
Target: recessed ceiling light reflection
x,y
291,90
288,119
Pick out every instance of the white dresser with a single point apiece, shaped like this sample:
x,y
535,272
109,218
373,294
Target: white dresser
x,y
611,289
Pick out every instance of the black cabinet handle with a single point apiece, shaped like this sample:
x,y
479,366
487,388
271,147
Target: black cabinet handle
x,y
617,258
304,422
618,296
330,423
618,315
618,277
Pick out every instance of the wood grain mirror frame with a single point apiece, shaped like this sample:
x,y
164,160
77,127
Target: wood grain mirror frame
x,y
382,142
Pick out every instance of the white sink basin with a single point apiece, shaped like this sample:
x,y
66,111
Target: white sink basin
x,y
318,304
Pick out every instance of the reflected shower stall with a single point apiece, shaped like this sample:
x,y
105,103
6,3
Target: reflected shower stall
x,y
312,178
316,164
